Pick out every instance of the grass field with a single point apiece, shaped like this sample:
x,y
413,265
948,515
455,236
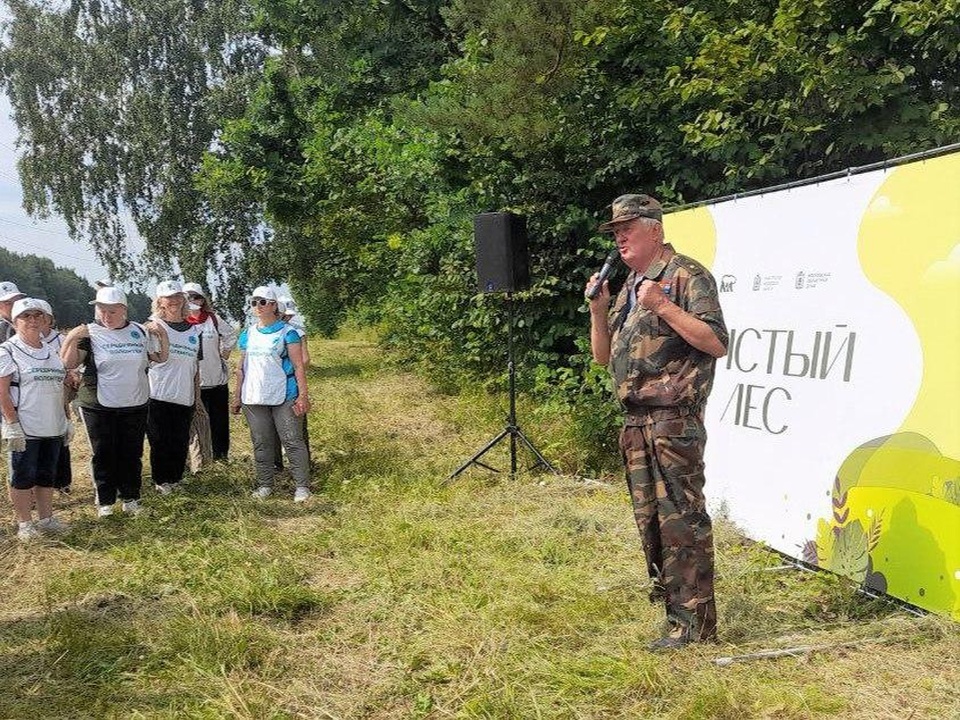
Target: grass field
x,y
393,595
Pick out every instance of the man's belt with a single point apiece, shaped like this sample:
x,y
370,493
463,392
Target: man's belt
x,y
650,415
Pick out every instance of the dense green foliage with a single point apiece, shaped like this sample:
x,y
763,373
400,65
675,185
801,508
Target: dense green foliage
x,y
68,294
381,129
373,132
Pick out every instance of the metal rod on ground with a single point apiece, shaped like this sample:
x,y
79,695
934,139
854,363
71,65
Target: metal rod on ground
x,y
789,652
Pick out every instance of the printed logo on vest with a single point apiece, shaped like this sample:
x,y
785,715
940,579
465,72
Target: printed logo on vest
x,y
135,334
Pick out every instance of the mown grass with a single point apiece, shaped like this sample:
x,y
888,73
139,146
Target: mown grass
x,y
395,595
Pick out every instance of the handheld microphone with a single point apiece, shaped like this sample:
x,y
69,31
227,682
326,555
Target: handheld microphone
x,y
604,272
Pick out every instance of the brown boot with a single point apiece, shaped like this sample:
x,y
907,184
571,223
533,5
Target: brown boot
x,y
678,637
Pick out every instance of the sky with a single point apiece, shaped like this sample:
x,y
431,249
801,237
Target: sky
x,y
22,234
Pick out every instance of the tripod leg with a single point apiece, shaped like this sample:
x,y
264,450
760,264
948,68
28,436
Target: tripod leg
x,y
479,454
541,460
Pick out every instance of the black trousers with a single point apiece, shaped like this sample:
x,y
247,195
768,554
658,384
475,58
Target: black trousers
x,y
168,430
116,437
217,402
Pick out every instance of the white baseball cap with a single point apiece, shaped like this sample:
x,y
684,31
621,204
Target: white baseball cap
x,y
168,288
195,288
9,291
45,306
265,292
110,296
24,304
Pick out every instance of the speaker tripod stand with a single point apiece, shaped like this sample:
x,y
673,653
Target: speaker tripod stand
x,y
512,428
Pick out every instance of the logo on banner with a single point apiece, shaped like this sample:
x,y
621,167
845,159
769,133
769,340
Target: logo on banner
x,y
810,279
727,282
756,282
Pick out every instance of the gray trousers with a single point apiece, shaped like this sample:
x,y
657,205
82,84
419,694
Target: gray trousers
x,y
267,422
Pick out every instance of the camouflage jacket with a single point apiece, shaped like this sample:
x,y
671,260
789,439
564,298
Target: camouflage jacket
x,y
652,366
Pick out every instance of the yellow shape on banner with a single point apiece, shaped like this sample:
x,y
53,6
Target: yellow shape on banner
x,y
909,247
693,233
911,553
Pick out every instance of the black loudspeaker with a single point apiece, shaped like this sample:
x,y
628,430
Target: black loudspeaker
x,y
500,239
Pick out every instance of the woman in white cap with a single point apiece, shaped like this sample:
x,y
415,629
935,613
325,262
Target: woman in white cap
x,y
51,336
288,313
113,394
9,294
34,422
272,391
218,338
174,389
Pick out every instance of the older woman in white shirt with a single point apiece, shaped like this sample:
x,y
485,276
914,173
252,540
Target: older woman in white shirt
x,y
218,338
113,394
34,422
174,388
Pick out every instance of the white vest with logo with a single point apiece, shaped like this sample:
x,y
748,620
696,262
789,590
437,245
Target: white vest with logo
x,y
120,357
36,388
213,369
173,381
264,379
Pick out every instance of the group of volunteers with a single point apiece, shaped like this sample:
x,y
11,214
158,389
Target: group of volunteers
x,y
165,380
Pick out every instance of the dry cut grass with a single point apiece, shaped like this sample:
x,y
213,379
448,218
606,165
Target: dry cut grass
x,y
395,595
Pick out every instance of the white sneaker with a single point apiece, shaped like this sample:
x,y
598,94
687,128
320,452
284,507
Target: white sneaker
x,y
132,507
302,494
165,488
262,492
104,510
27,531
51,525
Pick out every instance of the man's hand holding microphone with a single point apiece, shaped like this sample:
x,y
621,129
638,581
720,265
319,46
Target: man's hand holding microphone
x,y
597,287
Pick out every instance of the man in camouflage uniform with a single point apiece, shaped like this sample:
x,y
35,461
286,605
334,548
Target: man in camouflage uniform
x,y
661,338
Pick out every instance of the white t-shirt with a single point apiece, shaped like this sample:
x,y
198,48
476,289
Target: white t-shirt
x,y
218,338
36,386
120,357
54,339
173,381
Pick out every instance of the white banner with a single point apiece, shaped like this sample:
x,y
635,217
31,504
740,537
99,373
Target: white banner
x,y
834,421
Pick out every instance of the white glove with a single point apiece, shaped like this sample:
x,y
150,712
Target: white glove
x,y
13,434
68,433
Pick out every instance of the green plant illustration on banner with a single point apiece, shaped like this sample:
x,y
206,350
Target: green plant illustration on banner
x,y
895,524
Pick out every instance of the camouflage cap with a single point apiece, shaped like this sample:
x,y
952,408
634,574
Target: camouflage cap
x,y
628,207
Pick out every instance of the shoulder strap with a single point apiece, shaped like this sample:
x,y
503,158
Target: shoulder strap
x,y
286,354
9,347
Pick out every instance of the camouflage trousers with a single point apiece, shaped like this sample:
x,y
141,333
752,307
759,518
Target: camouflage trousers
x,y
663,454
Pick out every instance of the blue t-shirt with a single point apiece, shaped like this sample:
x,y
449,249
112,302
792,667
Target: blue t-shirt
x,y
290,338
